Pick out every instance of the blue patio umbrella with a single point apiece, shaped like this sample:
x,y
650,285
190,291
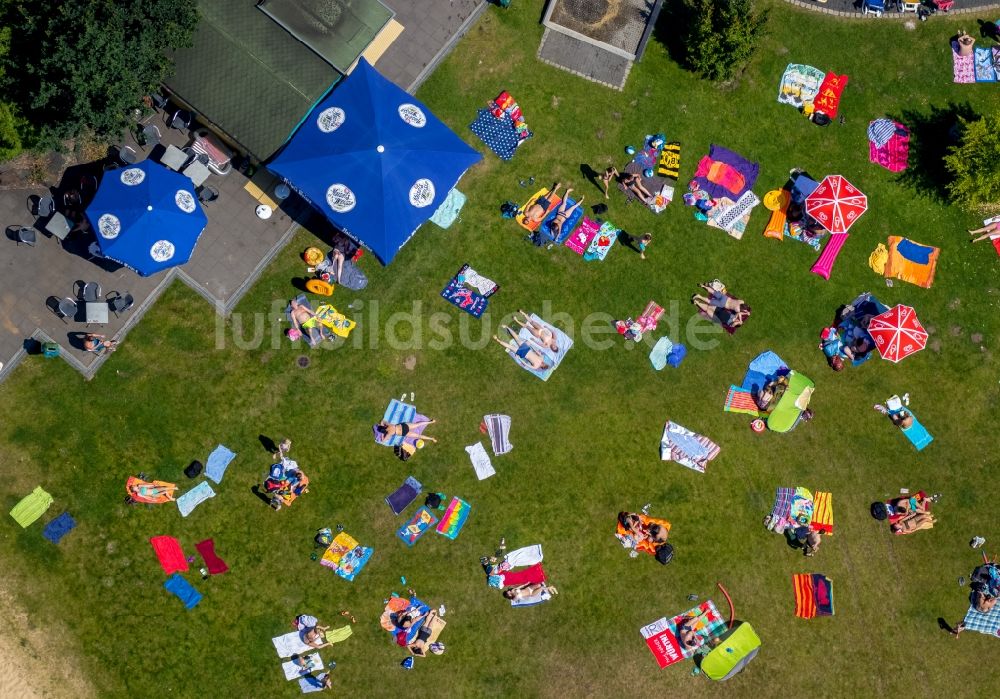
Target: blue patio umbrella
x,y
146,217
374,160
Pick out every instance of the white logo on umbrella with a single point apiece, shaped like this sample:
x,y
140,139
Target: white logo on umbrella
x,y
109,226
412,115
331,119
162,250
340,198
132,176
422,193
184,201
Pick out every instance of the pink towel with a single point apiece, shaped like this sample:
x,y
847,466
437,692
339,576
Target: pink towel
x,y
894,155
964,66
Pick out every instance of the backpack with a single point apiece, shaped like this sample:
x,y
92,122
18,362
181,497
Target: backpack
x,y
508,209
193,469
879,511
664,553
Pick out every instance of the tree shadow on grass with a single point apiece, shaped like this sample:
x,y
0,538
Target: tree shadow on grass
x,y
931,135
670,30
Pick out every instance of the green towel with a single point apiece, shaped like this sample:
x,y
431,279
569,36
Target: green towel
x,y
338,635
31,507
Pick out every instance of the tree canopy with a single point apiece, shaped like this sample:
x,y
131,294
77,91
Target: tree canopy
x,y
721,36
974,164
85,65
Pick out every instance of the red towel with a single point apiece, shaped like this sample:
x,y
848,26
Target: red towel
x,y
214,564
168,551
530,575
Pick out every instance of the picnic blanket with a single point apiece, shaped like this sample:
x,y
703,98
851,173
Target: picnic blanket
x,y
822,518
31,507
656,185
217,463
59,527
454,518
740,400
813,595
194,497
552,359
422,520
480,461
183,590
733,217
830,90
293,670
911,262
988,624
579,241
498,428
290,644
401,498
725,173
963,67
889,144
799,84
458,292
449,209
602,242
346,556
782,509
214,564
985,60
498,133
686,447
661,635
170,554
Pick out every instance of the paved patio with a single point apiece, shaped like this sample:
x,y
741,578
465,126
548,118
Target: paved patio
x,y
234,248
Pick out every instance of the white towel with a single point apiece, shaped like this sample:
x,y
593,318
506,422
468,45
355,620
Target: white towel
x,y
480,461
525,556
293,670
483,285
290,644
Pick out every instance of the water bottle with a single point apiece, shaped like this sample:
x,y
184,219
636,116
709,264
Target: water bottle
x,y
442,610
204,573
402,579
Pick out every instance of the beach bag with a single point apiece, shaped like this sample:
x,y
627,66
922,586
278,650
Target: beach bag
x,y
433,501
879,511
508,209
664,553
193,469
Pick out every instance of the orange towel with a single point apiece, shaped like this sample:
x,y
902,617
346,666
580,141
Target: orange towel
x,y
533,225
805,598
898,267
645,546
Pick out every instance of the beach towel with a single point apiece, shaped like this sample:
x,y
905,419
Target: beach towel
x,y
878,259
963,67
740,400
988,624
531,575
797,232
314,335
686,447
661,635
499,134
828,99
764,367
601,243
650,317
782,509
449,210
917,434
880,131
290,644
545,229
725,173
170,554
339,635
985,65
401,498
727,218
345,556
31,507
813,595
183,590
454,518
480,461
822,518
669,165
911,262
333,320
396,414
194,497
552,359
150,492
580,239
800,512
59,527
498,428
889,144
661,350
214,564
457,291
542,595
293,670
799,84
217,463
533,225
422,520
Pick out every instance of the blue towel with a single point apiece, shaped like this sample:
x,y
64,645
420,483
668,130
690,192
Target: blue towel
x,y
914,252
194,497
918,434
59,527
398,412
218,461
677,355
404,495
498,134
183,589
661,350
764,367
449,209
310,684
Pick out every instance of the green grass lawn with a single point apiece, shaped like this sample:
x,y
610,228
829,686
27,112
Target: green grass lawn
x,y
586,442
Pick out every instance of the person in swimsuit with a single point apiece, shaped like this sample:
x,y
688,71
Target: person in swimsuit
x,y
528,590
536,212
606,178
729,311
633,182
541,332
991,231
388,429
644,241
562,214
523,351
98,344
305,321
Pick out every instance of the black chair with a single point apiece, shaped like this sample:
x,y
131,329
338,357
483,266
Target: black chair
x,y
181,120
158,100
26,235
88,187
65,308
88,292
207,194
150,135
193,155
46,206
118,303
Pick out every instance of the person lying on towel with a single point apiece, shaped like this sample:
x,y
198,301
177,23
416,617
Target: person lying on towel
x,y
563,212
537,211
526,352
404,621
641,532
387,430
542,591
728,311
540,331
768,396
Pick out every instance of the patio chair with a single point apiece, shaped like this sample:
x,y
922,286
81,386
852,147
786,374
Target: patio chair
x,y
193,155
88,187
181,120
207,194
88,292
26,235
119,303
151,135
158,100
45,206
65,308
127,155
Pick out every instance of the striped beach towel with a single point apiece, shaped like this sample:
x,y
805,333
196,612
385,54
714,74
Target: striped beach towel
x,y
397,413
686,447
782,507
822,520
740,400
498,427
813,595
728,218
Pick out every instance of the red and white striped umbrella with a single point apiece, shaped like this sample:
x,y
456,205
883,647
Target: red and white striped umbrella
x,y
836,204
897,333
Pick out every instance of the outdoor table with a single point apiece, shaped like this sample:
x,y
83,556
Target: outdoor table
x,y
174,158
58,226
97,312
282,192
197,172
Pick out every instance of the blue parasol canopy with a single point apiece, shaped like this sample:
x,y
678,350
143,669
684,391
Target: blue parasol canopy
x,y
146,217
374,160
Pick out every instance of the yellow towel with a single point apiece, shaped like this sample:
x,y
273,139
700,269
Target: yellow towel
x,y
822,520
878,258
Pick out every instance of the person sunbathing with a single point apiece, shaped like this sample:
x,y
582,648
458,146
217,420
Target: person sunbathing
x,y
562,215
98,344
315,637
406,621
387,430
688,636
536,212
730,312
768,396
913,522
633,183
305,321
606,178
524,351
540,331
991,231
530,590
